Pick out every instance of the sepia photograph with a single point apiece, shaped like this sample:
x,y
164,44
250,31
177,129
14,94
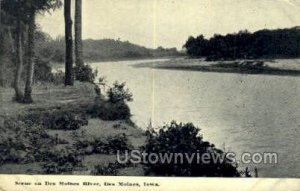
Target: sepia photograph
x,y
149,88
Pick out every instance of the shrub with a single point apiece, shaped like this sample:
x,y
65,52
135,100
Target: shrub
x,y
85,73
110,170
110,111
115,108
66,121
21,142
118,93
43,71
184,138
62,161
109,146
26,143
119,143
59,120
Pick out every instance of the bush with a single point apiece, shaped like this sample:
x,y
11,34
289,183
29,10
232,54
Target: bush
x,y
118,93
22,143
27,143
59,120
119,143
108,146
66,121
43,71
115,108
62,161
184,138
85,73
110,111
110,170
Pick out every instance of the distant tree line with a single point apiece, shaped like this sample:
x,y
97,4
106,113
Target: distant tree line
x,y
107,49
280,43
26,52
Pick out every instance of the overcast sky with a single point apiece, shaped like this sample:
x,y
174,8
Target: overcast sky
x,y
169,23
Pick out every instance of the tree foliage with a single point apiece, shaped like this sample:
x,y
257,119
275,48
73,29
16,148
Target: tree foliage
x,y
185,139
23,7
281,43
118,93
20,23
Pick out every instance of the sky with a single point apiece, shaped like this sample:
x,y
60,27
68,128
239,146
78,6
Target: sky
x,y
169,23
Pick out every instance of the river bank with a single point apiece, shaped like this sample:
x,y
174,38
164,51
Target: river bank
x,y
266,67
20,125
234,111
65,131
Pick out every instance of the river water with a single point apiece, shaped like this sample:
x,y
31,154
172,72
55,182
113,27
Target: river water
x,y
236,112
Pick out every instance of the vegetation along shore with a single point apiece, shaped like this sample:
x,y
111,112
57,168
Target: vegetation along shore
x,y
65,122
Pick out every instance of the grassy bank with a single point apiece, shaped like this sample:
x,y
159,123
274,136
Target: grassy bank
x,y
33,143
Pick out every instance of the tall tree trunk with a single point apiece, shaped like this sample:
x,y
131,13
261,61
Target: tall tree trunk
x,y
1,48
29,58
19,61
69,81
78,34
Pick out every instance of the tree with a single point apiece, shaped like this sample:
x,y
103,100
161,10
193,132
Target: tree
x,y
69,81
81,71
20,15
32,8
30,53
1,47
279,43
78,34
19,58
14,25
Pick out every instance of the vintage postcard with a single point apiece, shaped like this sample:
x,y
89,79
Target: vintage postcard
x,y
149,95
